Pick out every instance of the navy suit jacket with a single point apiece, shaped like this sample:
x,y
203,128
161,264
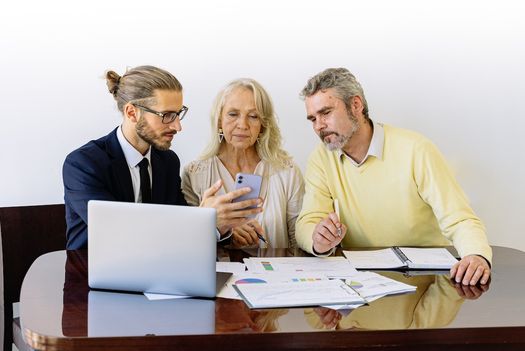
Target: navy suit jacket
x,y
99,171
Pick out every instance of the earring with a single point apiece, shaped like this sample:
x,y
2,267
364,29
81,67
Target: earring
x,y
258,138
221,135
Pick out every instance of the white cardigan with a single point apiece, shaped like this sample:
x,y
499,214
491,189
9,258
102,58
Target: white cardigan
x,y
282,190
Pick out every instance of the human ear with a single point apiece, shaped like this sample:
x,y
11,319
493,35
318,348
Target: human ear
x,y
131,113
357,104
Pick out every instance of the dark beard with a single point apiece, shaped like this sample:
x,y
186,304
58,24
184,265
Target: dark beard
x,y
144,131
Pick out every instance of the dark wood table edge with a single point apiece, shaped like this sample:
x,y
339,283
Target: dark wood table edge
x,y
499,338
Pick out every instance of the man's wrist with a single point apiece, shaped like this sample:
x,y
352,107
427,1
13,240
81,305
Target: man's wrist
x,y
325,253
490,266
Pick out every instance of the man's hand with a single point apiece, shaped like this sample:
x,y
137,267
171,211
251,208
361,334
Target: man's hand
x,y
330,318
328,233
470,292
471,270
246,234
230,214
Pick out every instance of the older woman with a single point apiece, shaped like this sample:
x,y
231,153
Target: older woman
x,y
246,139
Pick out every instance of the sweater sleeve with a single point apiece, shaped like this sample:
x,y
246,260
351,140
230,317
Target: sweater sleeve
x,y
438,187
188,186
317,203
295,193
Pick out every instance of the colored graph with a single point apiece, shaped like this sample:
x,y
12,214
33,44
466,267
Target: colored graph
x,y
267,266
296,280
354,284
250,281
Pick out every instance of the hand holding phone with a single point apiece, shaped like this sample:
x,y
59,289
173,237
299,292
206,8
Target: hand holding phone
x,y
253,181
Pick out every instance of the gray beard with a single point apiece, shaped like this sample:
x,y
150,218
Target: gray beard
x,y
341,140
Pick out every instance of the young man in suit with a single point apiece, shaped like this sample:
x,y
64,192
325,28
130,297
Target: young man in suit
x,y
134,162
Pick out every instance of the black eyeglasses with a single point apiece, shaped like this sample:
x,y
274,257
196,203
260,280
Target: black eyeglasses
x,y
167,117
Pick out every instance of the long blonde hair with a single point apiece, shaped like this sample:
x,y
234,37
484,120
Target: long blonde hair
x,y
269,144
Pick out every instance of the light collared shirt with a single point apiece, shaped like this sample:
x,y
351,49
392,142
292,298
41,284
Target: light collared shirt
x,y
133,158
376,145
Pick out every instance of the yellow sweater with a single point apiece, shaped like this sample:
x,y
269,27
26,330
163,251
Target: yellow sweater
x,y
409,198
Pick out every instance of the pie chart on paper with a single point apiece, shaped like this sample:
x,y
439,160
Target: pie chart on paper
x,y
250,281
354,284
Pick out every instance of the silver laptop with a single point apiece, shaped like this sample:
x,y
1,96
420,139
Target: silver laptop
x,y
152,248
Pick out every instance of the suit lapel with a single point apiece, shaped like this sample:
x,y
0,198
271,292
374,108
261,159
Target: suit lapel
x,y
119,169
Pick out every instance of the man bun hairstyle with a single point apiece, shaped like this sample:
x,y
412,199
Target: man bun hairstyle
x,y
138,84
112,81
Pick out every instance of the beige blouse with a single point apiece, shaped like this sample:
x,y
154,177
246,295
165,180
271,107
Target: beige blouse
x,y
282,190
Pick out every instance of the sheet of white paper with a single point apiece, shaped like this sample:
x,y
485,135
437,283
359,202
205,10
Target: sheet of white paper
x,y
230,267
229,292
311,293
349,308
346,307
378,259
429,257
329,266
370,285
154,296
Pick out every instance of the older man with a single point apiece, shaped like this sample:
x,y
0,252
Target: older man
x,y
393,185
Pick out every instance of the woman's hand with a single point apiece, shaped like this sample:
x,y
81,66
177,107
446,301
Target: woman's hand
x,y
248,234
230,214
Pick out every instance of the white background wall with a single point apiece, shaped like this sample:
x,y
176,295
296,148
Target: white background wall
x,y
452,70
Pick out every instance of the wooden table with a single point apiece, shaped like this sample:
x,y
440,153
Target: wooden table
x,y
59,312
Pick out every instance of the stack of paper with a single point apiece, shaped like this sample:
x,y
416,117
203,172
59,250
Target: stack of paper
x,y
402,258
308,281
308,293
274,282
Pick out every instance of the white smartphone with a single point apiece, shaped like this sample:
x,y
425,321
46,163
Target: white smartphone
x,y
253,181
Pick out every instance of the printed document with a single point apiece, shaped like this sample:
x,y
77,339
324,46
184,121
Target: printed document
x,y
402,258
370,285
229,292
330,266
297,294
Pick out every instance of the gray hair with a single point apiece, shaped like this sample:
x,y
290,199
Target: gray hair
x,y
269,145
138,84
344,83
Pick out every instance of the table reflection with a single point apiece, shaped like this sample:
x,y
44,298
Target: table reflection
x,y
434,304
76,290
234,315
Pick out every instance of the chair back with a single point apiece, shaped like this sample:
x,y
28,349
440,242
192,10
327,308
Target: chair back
x,y
27,232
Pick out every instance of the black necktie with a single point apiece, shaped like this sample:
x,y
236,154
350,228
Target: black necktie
x,y
145,184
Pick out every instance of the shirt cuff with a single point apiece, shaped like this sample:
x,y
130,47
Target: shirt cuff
x,y
225,237
326,254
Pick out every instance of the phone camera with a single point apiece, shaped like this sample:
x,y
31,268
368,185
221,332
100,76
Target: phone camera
x,y
239,181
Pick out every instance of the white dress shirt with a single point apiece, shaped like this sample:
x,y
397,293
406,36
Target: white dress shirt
x,y
133,158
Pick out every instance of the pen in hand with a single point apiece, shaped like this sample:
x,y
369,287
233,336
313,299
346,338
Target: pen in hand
x,y
336,207
259,235
262,238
